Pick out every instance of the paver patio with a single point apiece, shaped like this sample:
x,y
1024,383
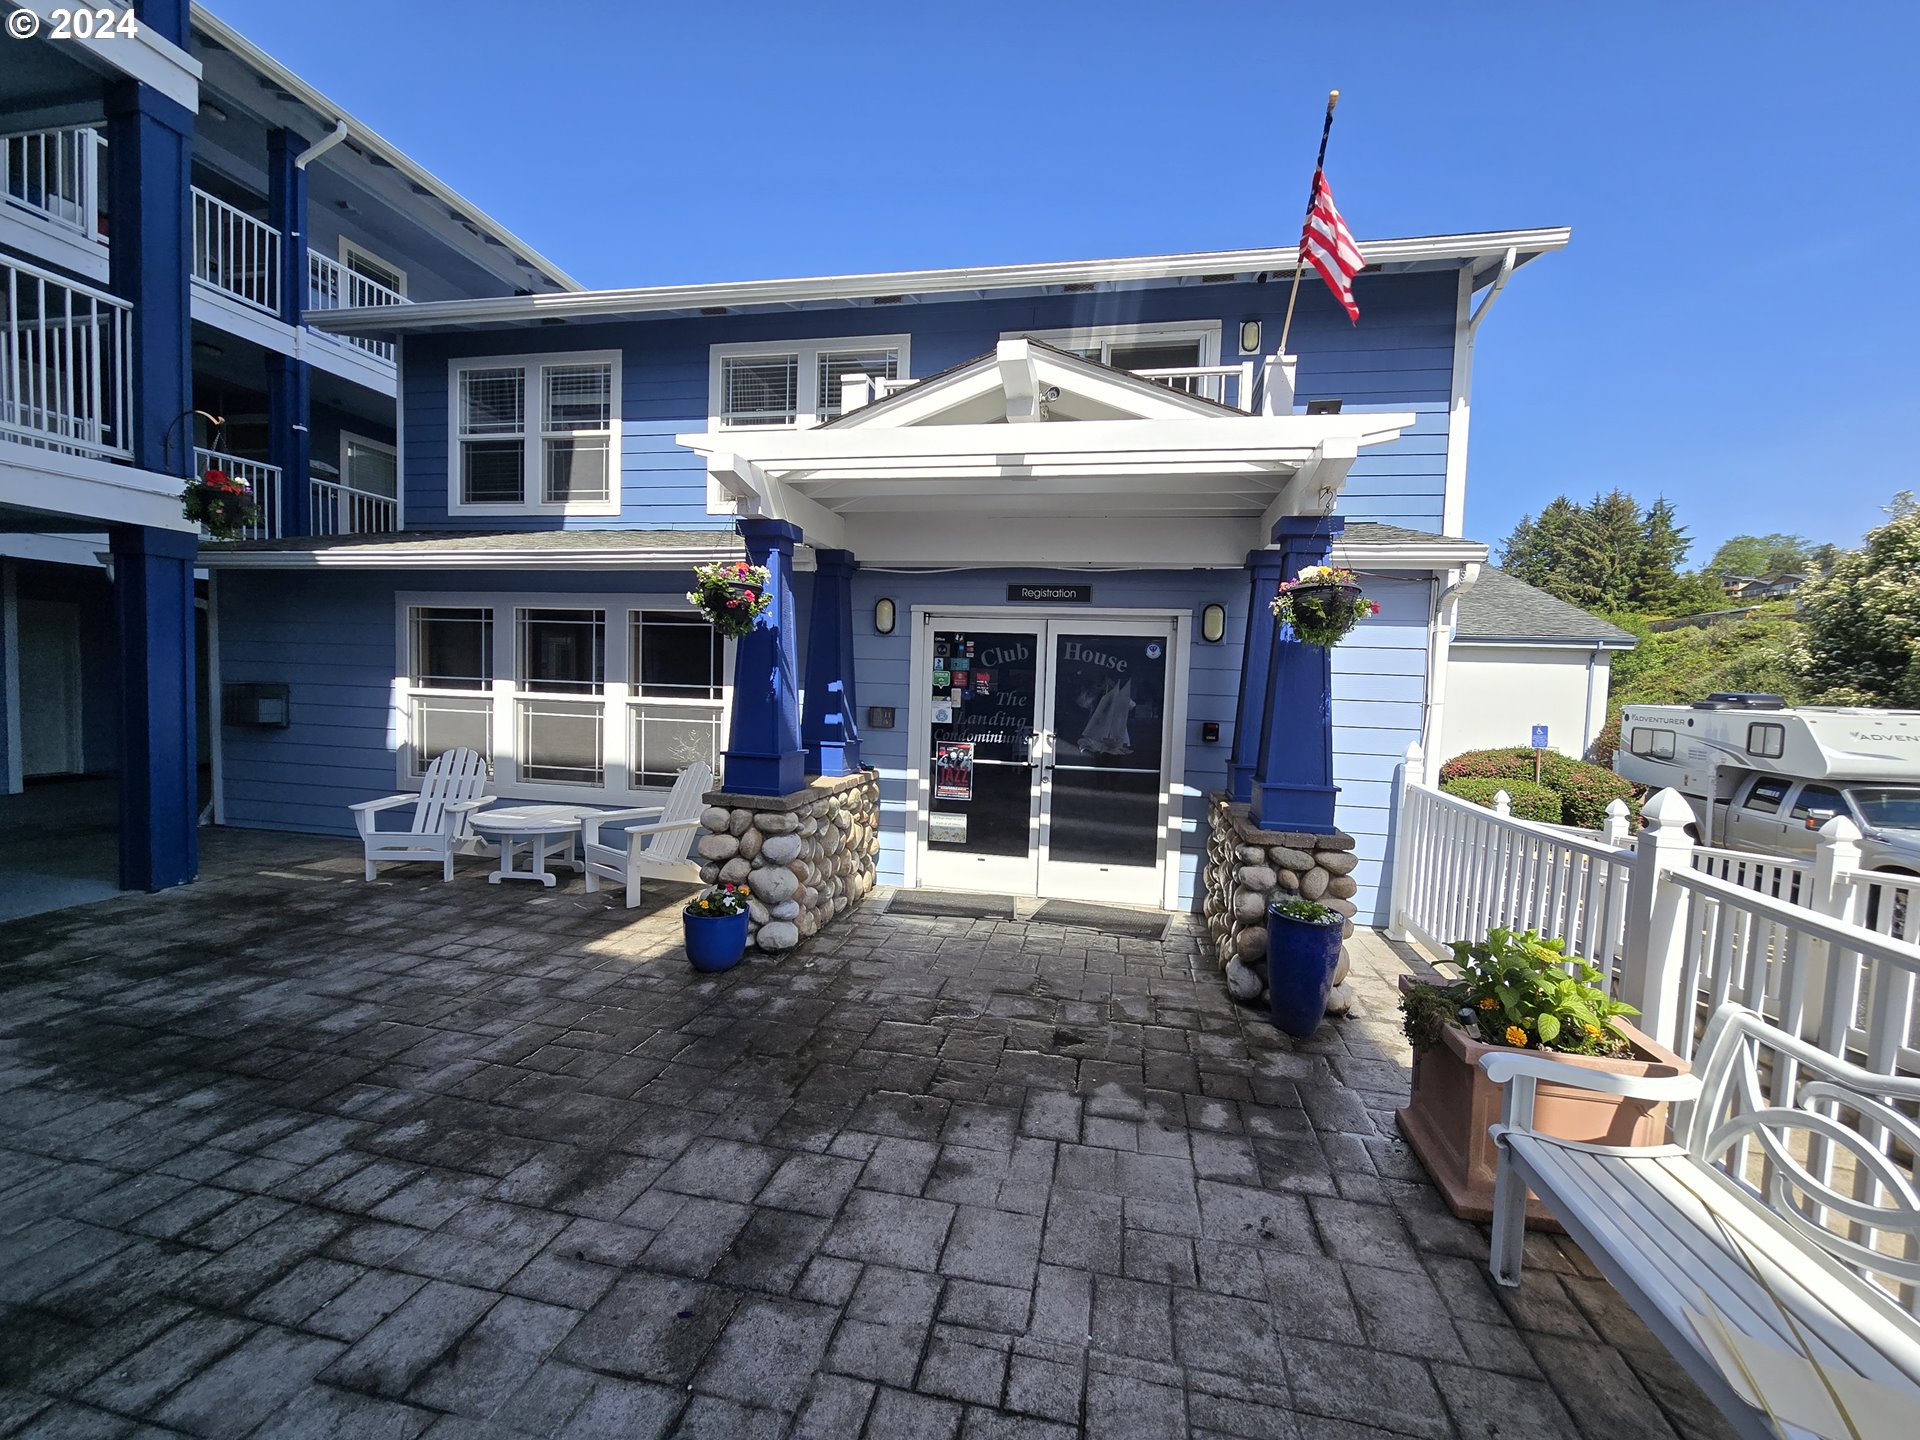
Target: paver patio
x,y
284,1154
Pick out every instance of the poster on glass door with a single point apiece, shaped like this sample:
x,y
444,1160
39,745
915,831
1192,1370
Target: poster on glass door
x,y
953,770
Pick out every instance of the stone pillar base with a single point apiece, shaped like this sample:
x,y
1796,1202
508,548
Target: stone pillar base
x,y
806,856
1245,868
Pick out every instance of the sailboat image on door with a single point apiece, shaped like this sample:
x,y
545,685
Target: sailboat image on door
x,y
1107,728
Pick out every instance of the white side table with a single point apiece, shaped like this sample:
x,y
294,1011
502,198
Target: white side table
x,y
549,831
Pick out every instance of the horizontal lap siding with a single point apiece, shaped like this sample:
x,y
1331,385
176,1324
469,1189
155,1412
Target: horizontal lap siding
x,y
1398,358
331,639
1379,705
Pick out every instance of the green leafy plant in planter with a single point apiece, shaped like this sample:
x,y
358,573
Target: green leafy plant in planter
x,y
1520,990
1311,912
1322,604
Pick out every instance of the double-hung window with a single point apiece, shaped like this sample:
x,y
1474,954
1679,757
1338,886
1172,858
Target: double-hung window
x,y
677,678
560,670
536,435
797,382
450,666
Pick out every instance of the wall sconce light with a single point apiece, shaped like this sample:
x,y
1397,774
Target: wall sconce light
x,y
883,616
1249,337
1213,624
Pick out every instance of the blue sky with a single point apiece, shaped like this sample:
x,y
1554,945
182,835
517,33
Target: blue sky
x,y
1734,325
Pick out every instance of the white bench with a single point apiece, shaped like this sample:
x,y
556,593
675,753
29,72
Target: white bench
x,y
1780,1148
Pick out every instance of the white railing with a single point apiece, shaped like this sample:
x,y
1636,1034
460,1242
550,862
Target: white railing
x,y
1227,384
66,363
1679,929
55,174
263,479
332,286
235,253
1461,869
342,510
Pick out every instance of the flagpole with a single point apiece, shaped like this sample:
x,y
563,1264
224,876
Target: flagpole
x,y
1313,191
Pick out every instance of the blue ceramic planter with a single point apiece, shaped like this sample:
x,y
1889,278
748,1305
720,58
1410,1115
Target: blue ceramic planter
x,y
1300,961
715,942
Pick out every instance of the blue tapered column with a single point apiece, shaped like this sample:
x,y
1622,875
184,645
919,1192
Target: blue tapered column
x,y
1256,662
764,756
828,728
1293,785
159,759
149,164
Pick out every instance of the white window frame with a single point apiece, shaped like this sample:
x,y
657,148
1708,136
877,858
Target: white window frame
x,y
618,694
533,436
367,442
807,355
349,251
1172,332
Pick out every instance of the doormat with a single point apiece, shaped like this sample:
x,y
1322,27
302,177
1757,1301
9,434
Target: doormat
x,y
952,904
1108,919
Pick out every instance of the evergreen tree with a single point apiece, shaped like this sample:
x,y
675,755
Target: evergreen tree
x,y
1617,532
1657,581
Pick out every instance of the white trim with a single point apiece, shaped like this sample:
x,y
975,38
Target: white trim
x,y
10,645
427,557
1382,255
616,696
88,489
1174,790
1207,332
806,399
1453,510
146,55
1537,642
50,243
400,437
351,250
532,436
215,717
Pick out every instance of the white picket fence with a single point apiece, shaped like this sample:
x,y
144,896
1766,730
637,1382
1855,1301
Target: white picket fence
x,y
1678,929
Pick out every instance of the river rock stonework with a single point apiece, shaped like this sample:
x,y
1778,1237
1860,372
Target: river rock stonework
x,y
1246,867
804,857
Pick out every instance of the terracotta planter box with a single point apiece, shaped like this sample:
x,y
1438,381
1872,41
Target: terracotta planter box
x,y
1454,1103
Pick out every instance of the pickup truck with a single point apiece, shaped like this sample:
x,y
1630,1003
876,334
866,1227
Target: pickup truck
x,y
1782,816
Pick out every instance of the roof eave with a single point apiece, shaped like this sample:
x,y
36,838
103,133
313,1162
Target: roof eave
x,y
609,304
402,557
1544,642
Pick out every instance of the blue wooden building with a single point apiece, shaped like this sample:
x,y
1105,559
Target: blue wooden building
x,y
175,207
1023,517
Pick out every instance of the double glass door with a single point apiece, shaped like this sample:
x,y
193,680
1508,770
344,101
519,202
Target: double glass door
x,y
1047,754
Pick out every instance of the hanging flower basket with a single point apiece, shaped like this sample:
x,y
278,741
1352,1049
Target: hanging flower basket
x,y
732,597
1322,604
220,504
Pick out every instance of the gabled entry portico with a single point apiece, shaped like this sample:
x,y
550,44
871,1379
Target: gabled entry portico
x,y
1048,773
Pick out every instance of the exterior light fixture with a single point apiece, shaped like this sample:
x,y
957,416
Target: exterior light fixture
x,y
1249,337
883,616
1213,624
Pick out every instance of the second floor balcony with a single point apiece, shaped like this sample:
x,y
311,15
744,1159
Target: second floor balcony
x,y
333,507
66,349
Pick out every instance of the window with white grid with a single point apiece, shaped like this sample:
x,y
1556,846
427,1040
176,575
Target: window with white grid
x,y
676,672
539,435
797,383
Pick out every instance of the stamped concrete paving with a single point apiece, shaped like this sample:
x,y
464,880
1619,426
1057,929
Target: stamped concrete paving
x,y
287,1155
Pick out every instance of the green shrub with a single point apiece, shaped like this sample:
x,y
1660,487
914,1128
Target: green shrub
x,y
1520,990
1584,789
1530,801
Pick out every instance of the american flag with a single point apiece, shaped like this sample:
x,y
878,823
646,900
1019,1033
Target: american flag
x,y
1328,246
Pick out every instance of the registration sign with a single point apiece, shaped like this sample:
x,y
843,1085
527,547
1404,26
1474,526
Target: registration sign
x,y
1050,594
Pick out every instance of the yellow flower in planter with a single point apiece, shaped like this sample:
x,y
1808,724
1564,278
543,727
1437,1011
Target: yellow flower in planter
x,y
1516,1036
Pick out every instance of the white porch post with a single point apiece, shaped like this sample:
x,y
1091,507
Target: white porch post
x,y
1657,913
1410,772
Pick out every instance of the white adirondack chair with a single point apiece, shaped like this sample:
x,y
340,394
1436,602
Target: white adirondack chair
x,y
658,850
442,814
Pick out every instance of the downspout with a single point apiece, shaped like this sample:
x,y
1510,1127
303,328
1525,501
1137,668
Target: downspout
x,y
1587,732
327,142
1507,262
1445,605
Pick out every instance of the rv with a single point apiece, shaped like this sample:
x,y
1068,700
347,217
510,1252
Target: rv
x,y
1763,776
